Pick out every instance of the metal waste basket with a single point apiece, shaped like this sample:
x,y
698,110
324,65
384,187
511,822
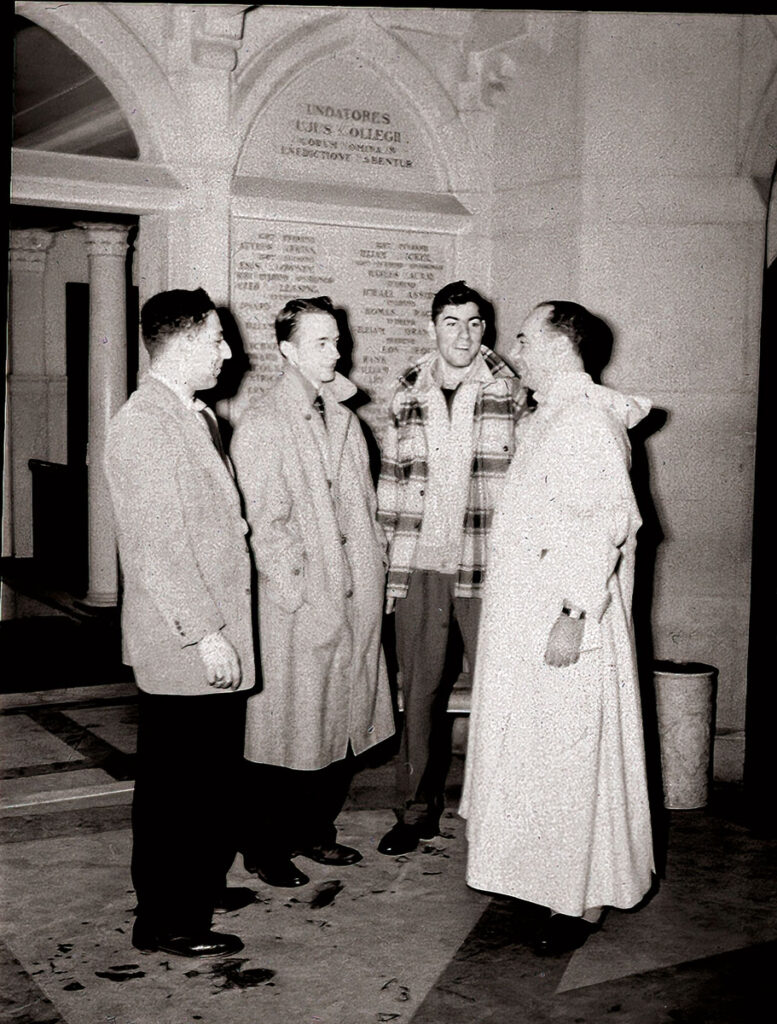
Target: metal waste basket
x,y
685,697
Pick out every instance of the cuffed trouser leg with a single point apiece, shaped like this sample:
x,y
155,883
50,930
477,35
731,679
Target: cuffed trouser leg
x,y
422,630
184,819
322,794
293,809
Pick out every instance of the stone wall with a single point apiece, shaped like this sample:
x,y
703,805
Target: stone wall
x,y
374,154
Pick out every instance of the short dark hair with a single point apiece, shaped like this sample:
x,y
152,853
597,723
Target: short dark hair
x,y
457,293
168,313
286,321
570,319
590,336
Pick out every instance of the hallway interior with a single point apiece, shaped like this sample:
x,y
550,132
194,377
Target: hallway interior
x,y
389,939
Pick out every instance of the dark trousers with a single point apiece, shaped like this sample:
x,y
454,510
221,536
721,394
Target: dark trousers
x,y
189,758
423,620
293,809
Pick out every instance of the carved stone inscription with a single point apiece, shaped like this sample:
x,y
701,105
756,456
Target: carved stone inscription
x,y
383,280
323,131
340,123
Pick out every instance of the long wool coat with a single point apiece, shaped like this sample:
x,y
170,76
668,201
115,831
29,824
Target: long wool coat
x,y
555,791
182,543
319,553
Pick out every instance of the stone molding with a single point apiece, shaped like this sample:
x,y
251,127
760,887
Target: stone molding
x,y
378,48
218,35
29,247
491,71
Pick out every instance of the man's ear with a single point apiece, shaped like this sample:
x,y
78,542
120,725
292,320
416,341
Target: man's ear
x,y
289,351
431,331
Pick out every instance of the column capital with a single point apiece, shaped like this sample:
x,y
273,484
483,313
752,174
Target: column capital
x,y
29,247
105,238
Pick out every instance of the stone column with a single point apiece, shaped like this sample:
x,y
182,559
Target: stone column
x,y
26,437
106,246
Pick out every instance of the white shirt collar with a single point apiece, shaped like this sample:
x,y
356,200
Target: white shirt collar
x,y
432,374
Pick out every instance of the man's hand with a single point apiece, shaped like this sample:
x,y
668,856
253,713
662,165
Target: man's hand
x,y
222,665
564,641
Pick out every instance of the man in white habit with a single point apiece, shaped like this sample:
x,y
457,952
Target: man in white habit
x,y
302,465
555,793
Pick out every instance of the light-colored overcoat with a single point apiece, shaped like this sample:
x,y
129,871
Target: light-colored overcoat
x,y
319,554
555,791
182,542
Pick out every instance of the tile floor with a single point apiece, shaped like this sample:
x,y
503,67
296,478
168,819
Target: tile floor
x,y
389,939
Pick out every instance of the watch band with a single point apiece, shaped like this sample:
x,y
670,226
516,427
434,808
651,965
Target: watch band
x,y
573,613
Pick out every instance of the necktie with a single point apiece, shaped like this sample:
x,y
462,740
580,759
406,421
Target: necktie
x,y
213,430
318,403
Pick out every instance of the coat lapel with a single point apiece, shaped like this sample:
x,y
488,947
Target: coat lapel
x,y
295,408
338,420
195,434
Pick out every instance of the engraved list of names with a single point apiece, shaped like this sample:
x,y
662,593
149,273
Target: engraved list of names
x,y
383,279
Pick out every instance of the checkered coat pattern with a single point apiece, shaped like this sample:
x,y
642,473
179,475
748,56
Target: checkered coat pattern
x,y
404,470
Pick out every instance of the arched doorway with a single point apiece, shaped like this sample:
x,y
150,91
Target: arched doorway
x,y
61,107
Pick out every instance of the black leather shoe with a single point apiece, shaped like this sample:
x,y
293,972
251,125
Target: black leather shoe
x,y
206,943
428,829
561,934
279,871
336,854
234,898
401,838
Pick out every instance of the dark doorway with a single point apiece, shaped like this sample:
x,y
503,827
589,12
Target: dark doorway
x,y
77,364
60,492
77,370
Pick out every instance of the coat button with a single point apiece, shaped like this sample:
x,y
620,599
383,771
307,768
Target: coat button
x,y
349,593
343,539
307,416
371,729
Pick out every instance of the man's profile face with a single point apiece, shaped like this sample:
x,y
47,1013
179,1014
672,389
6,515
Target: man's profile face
x,y
458,332
205,351
312,347
529,353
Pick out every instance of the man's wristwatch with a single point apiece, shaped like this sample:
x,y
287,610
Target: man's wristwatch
x,y
573,613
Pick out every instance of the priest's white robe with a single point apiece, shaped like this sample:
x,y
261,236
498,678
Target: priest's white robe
x,y
555,793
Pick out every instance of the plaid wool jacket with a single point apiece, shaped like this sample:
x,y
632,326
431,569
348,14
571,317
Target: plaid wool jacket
x,y
499,406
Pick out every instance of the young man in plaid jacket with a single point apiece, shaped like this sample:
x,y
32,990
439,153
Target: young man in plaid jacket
x,y
448,445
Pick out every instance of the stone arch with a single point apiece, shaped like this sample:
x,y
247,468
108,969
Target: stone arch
x,y
364,38
138,84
